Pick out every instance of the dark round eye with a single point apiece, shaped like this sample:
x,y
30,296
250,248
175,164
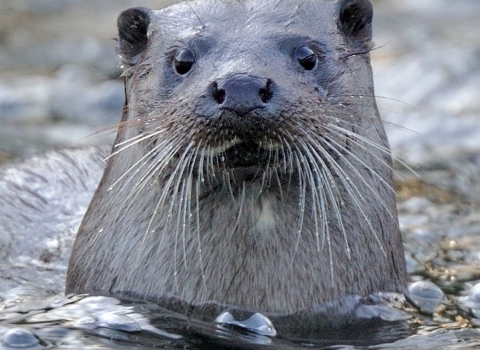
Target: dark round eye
x,y
184,61
306,57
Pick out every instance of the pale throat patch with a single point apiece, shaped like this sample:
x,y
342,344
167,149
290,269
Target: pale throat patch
x,y
265,216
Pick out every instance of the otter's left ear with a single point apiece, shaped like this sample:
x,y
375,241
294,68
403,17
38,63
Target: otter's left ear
x,y
355,19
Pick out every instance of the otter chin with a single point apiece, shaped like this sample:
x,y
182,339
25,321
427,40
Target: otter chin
x,y
251,167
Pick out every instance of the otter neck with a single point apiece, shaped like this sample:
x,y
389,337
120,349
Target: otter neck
x,y
250,243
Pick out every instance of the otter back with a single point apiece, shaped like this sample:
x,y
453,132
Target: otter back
x,y
251,166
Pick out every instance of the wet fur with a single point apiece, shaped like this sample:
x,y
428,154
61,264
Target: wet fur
x,y
312,219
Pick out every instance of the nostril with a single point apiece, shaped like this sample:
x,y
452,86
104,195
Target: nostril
x,y
218,94
266,93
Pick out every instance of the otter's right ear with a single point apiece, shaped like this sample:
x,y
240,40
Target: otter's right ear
x,y
132,33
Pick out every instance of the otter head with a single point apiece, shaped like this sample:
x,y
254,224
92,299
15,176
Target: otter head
x,y
251,166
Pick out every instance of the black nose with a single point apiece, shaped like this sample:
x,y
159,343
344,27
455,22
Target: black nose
x,y
242,93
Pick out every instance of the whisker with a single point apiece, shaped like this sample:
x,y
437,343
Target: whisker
x,y
334,196
153,170
354,193
352,167
382,148
137,166
332,190
198,185
301,202
379,147
332,141
240,211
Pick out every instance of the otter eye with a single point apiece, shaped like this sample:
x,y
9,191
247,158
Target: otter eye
x,y
184,61
306,57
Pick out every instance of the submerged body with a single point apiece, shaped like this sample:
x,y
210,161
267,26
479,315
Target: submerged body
x,y
251,167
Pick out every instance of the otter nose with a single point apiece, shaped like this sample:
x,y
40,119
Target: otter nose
x,y
242,93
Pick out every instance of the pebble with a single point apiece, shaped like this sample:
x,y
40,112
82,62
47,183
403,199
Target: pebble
x,y
426,296
18,338
472,301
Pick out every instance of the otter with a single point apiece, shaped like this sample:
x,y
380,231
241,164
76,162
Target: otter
x,y
251,166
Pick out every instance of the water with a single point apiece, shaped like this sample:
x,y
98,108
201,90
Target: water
x,y
103,323
93,322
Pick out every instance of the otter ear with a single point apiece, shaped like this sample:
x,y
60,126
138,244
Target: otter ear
x,y
355,19
132,33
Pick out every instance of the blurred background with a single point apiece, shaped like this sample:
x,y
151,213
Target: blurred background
x,y
59,82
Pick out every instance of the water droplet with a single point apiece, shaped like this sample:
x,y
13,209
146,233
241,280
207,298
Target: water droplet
x,y
256,323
